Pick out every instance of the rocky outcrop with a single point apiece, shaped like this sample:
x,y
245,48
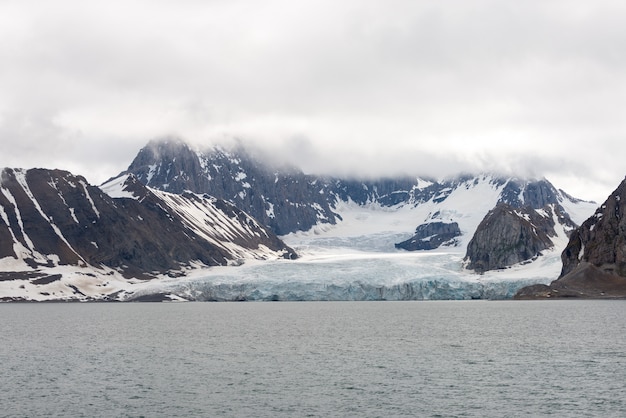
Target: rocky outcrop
x,y
282,198
508,236
432,235
601,239
584,281
287,200
594,260
52,218
534,194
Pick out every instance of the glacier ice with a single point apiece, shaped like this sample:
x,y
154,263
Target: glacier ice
x,y
356,260
340,275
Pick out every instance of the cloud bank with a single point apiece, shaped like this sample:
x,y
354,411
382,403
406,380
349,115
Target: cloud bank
x,y
353,87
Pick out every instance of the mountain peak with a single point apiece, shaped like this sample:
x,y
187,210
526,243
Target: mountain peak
x,y
600,239
288,200
51,219
594,260
508,235
125,186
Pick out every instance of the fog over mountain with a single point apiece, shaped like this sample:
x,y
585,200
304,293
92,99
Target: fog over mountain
x,y
179,211
357,87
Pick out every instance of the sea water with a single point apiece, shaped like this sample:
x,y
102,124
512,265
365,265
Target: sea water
x,y
269,359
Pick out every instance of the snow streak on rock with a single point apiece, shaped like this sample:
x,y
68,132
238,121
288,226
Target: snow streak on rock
x,y
61,238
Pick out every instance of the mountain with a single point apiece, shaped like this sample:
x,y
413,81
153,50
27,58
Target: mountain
x,y
432,235
280,197
356,259
283,199
601,239
61,237
151,232
594,260
288,201
507,236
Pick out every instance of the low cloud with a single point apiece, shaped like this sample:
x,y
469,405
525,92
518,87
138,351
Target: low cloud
x,y
365,88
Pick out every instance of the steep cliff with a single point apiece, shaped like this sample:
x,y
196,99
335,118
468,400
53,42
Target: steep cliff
x,y
278,196
51,218
287,200
594,260
601,239
432,235
508,236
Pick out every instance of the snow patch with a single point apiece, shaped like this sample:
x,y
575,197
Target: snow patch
x,y
270,210
88,196
152,169
73,214
422,184
116,188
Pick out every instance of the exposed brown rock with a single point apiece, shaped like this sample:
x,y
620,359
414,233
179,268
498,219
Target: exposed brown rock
x,y
601,239
53,217
507,236
431,235
585,281
594,261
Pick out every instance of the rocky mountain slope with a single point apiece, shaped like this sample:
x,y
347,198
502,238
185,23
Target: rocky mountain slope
x,y
508,236
594,260
52,222
283,198
601,239
432,235
288,201
179,209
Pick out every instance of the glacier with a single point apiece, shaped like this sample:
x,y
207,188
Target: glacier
x,y
347,276
354,259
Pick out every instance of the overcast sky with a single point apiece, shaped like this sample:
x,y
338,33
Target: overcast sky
x,y
354,86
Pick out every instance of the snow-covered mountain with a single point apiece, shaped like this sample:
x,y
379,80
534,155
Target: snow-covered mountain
x,y
355,259
178,210
61,238
594,260
284,199
349,232
287,200
507,236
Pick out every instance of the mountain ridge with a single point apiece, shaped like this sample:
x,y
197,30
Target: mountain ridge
x,y
594,259
52,221
290,200
307,211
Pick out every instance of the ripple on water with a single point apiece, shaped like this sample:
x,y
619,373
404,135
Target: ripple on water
x,y
471,359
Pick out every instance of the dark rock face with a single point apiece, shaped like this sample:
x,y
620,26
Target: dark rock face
x,y
51,217
585,281
601,239
536,195
287,200
431,236
523,195
594,260
386,191
508,236
282,198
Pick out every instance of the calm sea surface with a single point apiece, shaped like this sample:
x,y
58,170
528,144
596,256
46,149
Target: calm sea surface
x,y
431,359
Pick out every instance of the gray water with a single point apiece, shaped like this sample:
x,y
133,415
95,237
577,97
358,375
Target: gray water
x,y
431,359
